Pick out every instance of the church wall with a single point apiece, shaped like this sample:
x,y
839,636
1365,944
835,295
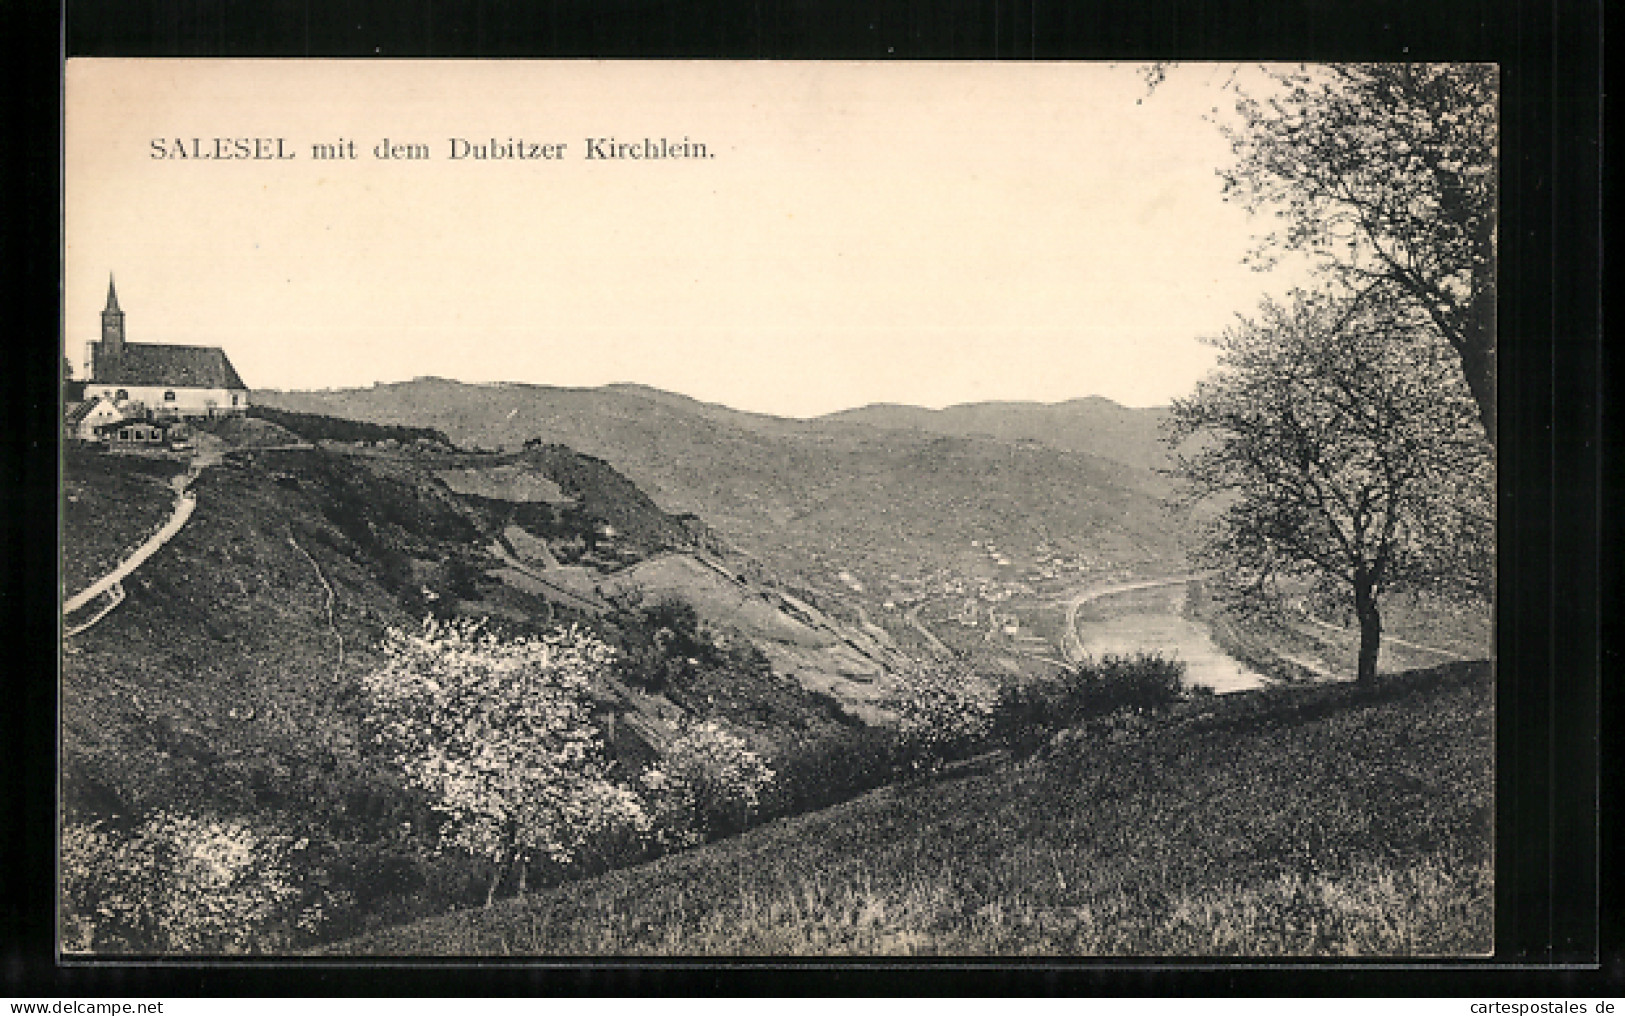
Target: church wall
x,y
187,401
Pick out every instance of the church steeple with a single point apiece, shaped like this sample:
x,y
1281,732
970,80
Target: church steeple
x,y
112,323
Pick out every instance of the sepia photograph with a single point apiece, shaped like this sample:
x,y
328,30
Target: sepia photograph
x,y
632,509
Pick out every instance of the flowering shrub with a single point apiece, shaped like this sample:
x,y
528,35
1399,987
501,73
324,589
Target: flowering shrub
x,y
941,713
497,731
670,804
708,784
178,883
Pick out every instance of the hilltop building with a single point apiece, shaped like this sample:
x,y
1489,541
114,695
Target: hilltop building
x,y
159,379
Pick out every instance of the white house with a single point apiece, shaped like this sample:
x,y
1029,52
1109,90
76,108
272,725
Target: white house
x,y
84,419
167,380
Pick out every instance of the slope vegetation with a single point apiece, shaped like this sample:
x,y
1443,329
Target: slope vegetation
x,y
228,683
222,678
1323,821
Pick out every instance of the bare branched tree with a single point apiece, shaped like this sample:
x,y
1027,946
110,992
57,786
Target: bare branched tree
x,y
1345,455
1387,174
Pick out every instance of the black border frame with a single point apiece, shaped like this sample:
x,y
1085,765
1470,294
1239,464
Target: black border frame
x,y
1553,839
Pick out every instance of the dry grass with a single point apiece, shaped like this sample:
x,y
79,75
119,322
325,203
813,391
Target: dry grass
x,y
1424,910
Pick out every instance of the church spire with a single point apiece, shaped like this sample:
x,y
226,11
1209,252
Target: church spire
x,y
112,323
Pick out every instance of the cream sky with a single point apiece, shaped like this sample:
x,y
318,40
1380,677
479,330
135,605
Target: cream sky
x,y
918,233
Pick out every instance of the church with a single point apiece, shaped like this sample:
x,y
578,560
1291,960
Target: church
x,y
164,380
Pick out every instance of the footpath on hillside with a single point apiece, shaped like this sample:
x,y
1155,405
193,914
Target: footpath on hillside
x,y
208,451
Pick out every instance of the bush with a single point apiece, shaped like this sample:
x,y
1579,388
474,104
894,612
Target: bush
x,y
177,883
707,785
1146,682
662,645
941,714
1142,683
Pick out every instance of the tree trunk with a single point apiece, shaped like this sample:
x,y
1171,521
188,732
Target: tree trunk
x,y
524,870
1478,360
496,878
1365,609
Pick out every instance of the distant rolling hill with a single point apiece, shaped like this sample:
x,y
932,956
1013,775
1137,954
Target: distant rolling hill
x,y
874,493
1225,801
1093,425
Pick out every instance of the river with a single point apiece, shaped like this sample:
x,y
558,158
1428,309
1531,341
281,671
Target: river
x,y
1151,620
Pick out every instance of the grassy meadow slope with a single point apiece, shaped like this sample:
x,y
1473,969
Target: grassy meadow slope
x,y
812,499
1311,821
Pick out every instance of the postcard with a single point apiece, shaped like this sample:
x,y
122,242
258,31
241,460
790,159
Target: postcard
x,y
649,509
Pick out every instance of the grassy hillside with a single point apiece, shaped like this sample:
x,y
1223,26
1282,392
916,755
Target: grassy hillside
x,y
1311,821
232,618
813,499
219,680
228,683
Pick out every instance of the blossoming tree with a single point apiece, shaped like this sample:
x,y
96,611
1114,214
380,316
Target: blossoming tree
x,y
1386,175
707,784
180,883
941,712
498,732
1341,448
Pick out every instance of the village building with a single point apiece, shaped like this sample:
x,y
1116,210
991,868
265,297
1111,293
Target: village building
x,y
159,379
85,419
134,432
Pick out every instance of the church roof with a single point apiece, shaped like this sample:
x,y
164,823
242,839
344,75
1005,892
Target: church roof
x,y
160,364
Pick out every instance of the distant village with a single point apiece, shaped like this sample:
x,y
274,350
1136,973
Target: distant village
x,y
144,394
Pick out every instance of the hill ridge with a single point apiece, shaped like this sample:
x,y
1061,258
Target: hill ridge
x,y
817,500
